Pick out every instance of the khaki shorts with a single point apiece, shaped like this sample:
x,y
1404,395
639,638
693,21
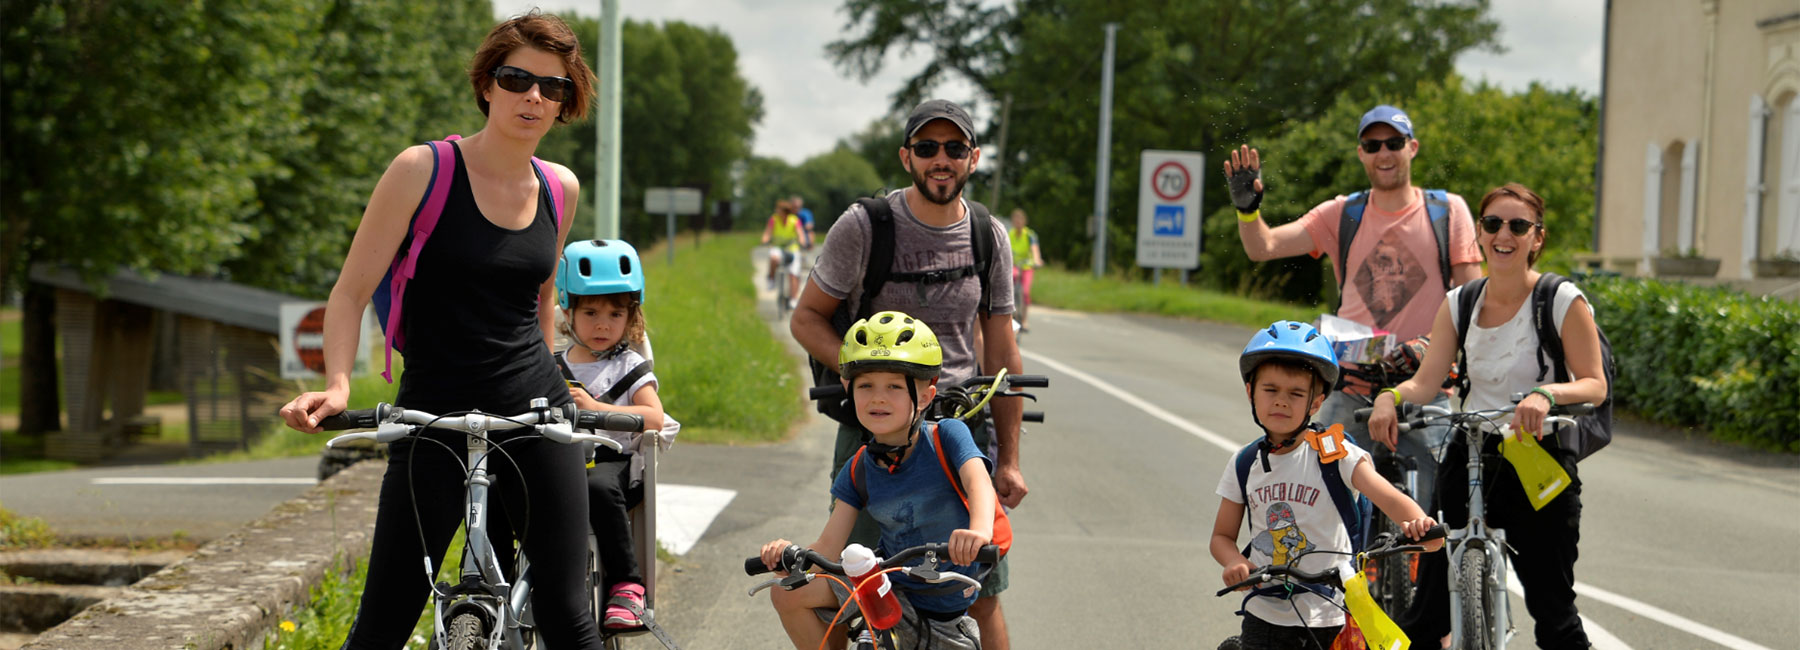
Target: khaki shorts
x,y
914,632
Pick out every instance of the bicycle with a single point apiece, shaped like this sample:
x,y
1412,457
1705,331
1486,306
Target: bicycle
x,y
1292,582
484,610
796,561
1480,611
967,400
788,276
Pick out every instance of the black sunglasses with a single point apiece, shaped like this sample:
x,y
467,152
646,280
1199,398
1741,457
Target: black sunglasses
x,y
1395,143
1520,227
955,149
516,80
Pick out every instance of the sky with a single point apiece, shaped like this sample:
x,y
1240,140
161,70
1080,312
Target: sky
x,y
809,104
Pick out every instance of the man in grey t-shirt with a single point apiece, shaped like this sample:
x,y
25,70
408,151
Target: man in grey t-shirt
x,y
931,233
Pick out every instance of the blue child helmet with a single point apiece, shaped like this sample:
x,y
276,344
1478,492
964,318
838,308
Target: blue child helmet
x,y
1291,340
598,267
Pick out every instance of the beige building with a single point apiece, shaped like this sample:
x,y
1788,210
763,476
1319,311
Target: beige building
x,y
1700,159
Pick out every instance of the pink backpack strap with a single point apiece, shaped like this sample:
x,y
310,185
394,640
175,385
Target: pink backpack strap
x,y
425,219
549,177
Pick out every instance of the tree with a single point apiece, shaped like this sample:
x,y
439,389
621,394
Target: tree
x,y
879,145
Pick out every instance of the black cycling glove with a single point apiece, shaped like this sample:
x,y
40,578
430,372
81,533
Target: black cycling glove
x,y
1244,194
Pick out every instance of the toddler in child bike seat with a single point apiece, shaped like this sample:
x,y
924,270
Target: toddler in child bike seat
x,y
600,287
1296,482
890,365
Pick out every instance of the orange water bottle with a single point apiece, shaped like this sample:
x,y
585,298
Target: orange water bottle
x,y
880,607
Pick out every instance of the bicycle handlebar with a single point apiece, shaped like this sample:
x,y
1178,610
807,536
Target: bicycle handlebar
x,y
1425,415
799,558
1384,546
836,391
392,423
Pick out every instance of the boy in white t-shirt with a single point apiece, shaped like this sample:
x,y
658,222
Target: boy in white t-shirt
x,y
1288,369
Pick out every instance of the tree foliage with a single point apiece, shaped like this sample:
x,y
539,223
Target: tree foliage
x,y
828,183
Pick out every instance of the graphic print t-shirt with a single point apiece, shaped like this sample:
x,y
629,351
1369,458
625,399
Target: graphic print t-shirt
x,y
1392,280
948,307
1290,512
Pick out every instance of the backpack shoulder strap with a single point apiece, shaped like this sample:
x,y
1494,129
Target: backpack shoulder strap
x,y
1242,462
1341,498
624,383
1437,205
937,444
1543,301
424,220
562,364
1348,223
981,241
856,480
1460,317
881,251
550,180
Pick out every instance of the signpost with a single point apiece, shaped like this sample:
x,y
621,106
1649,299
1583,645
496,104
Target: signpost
x,y
672,201
1168,234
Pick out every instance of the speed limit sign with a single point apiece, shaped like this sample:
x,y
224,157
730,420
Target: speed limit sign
x,y
1169,209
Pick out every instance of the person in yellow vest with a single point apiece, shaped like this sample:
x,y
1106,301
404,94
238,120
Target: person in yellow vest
x,y
787,235
1026,259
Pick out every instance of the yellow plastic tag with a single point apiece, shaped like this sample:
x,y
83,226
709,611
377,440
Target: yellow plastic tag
x,y
1540,474
1378,630
1329,443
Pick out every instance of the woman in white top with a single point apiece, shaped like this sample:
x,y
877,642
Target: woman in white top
x,y
1501,360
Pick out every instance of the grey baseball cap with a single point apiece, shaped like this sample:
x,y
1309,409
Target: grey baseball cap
x,y
939,109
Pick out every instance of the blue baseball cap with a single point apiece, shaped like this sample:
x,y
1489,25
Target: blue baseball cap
x,y
1385,114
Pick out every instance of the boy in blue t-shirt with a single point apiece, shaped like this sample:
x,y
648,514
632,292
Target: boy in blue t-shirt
x,y
1288,369
890,365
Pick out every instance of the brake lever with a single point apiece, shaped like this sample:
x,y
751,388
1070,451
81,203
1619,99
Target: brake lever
x,y
764,585
934,577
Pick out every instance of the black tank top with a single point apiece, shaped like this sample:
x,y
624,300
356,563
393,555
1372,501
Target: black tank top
x,y
472,336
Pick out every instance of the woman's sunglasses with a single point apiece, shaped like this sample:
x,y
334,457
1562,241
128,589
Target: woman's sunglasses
x,y
955,149
1395,143
516,80
1519,226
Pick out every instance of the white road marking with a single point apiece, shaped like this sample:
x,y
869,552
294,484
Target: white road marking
x,y
683,512
200,480
1596,634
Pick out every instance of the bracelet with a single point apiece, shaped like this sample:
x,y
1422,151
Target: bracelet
x,y
1546,393
1396,392
1253,215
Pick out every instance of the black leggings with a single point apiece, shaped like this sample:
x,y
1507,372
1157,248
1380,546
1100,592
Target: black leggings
x,y
610,497
554,536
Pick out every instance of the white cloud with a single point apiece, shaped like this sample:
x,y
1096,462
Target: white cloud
x,y
808,104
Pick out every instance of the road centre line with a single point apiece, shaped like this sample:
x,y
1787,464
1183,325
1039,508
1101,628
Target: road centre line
x,y
1646,610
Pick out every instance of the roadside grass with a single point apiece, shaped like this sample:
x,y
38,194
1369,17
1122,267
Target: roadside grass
x,y
325,621
1081,291
18,532
722,373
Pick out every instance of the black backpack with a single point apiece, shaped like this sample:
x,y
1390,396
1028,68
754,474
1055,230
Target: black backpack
x,y
1592,432
879,271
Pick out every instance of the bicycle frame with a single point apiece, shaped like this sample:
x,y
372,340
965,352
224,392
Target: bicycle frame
x,y
1476,537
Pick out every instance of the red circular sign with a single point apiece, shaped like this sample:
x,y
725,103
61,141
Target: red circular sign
x,y
309,340
1173,192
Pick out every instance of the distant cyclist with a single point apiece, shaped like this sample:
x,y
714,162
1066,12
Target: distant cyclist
x,y
787,235
1392,272
1026,259
806,218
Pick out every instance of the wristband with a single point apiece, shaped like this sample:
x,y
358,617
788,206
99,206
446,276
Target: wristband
x,y
1546,393
1396,392
1253,215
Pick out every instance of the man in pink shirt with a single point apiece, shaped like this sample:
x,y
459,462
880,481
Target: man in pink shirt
x,y
1393,274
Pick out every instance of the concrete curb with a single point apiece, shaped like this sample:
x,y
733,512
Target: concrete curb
x,y
231,592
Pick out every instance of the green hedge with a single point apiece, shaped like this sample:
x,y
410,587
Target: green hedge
x,y
1704,356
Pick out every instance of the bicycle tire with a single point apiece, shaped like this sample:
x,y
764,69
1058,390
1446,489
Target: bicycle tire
x,y
1395,584
466,631
596,583
1477,612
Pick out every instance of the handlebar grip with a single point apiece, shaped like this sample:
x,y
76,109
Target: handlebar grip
x,y
754,566
988,554
825,392
352,419
1573,410
1028,381
1362,414
609,421
1032,416
1436,532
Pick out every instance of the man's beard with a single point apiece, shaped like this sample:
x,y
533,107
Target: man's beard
x,y
1402,179
922,183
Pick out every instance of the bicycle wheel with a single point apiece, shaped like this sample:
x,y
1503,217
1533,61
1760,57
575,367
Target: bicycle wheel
x,y
1477,611
466,631
1395,577
596,583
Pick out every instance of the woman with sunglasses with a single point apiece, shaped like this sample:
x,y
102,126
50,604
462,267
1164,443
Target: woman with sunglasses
x,y
1500,361
478,327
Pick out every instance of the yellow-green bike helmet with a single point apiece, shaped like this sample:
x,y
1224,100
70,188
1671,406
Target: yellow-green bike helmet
x,y
890,341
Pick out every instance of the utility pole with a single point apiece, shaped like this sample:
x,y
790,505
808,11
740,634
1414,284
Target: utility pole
x,y
606,125
1104,169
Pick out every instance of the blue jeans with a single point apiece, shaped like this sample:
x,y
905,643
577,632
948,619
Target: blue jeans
x,y
1424,446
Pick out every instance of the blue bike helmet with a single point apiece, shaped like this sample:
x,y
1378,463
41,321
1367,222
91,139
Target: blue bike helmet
x,y
1290,340
598,267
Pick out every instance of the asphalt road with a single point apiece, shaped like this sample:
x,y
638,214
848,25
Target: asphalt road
x,y
1683,541
202,502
